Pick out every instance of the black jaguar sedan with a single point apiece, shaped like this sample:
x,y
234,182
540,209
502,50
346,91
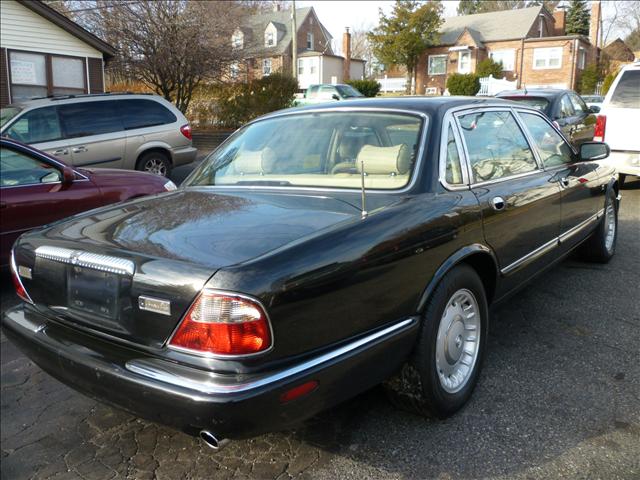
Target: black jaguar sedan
x,y
316,253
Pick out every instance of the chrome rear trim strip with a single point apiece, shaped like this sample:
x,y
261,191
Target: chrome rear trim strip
x,y
581,226
157,372
96,261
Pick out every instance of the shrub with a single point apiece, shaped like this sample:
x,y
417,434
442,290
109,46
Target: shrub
x,y
589,79
608,80
369,88
489,67
463,84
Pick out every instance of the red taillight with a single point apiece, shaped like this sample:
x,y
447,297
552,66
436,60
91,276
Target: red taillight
x,y
17,283
186,131
223,324
601,126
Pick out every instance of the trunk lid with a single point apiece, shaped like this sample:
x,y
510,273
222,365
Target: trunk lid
x,y
132,270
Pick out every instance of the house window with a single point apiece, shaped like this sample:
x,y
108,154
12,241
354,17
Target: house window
x,y
38,75
437,64
234,70
301,66
582,58
269,39
309,41
544,58
312,67
237,40
464,62
266,67
506,57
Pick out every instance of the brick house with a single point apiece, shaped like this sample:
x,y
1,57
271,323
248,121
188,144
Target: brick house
x,y
44,53
264,43
531,44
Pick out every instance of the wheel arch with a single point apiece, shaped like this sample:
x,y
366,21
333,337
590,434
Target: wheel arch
x,y
154,148
479,257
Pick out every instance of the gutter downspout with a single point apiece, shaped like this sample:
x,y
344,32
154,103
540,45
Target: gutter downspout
x,y
521,75
573,65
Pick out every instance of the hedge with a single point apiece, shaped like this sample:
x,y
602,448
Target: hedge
x,y
463,84
369,88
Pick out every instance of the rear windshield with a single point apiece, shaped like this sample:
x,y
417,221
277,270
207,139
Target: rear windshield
x,y
592,98
627,92
538,103
7,114
327,149
347,91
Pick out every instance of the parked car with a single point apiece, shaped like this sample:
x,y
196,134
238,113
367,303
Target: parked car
x,y
618,121
594,102
37,189
564,107
141,132
288,274
327,93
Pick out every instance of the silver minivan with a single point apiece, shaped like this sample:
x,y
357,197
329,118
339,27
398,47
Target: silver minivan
x,y
132,131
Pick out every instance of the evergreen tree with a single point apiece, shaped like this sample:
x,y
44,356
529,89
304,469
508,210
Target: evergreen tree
x,y
578,18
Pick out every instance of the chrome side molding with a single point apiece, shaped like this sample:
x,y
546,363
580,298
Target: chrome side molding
x,y
96,261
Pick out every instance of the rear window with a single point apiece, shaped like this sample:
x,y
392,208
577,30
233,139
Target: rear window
x,y
140,113
536,102
627,92
89,118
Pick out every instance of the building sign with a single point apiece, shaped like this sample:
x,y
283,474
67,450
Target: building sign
x,y
23,72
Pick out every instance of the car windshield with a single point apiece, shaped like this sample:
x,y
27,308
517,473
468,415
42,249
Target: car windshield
x,y
538,103
347,91
322,149
627,92
7,114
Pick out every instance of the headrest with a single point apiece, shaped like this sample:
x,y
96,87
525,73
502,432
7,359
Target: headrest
x,y
254,161
384,160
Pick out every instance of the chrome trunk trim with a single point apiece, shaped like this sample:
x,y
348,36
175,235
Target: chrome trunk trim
x,y
95,261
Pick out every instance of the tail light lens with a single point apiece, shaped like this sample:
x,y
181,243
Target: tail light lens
x,y
186,131
17,283
601,126
223,324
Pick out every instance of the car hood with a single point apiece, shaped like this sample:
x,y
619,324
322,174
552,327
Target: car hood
x,y
202,227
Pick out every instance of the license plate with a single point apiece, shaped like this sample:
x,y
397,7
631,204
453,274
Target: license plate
x,y
93,291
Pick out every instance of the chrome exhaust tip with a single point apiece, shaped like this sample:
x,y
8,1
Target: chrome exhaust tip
x,y
212,441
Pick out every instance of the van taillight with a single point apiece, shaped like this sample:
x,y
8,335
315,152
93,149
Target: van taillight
x,y
186,131
601,126
221,323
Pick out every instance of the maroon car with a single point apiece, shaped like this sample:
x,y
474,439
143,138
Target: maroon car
x,y
37,189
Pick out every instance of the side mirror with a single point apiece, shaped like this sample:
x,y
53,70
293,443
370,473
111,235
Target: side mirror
x,y
68,176
590,151
594,109
335,96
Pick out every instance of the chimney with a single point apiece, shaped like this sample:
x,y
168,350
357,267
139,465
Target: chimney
x,y
560,17
594,27
346,51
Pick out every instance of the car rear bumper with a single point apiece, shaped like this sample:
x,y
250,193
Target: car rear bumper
x,y
183,155
190,399
625,162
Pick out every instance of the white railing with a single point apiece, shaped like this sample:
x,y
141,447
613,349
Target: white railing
x,y
490,86
398,84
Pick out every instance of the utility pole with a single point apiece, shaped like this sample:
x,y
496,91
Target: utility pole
x,y
294,40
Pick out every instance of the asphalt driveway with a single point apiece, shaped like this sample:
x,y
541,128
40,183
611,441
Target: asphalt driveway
x,y
559,397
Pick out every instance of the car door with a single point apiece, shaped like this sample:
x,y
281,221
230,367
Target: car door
x,y
95,133
32,194
582,195
584,121
520,203
40,127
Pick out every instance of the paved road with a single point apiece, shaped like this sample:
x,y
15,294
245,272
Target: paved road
x,y
559,397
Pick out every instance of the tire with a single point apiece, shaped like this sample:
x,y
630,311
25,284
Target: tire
x,y
601,245
155,162
426,384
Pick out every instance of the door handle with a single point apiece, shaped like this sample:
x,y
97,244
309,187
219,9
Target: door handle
x,y
61,151
498,204
564,182
79,149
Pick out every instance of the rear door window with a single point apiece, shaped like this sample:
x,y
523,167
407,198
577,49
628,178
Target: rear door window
x,y
453,166
36,126
85,119
140,113
627,92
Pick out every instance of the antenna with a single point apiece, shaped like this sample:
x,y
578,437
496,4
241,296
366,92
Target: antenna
x,y
364,196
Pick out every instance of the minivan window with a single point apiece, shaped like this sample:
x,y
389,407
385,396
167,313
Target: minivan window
x,y
36,126
627,92
140,113
89,118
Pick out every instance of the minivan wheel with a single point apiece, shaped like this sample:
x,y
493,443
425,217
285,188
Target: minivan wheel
x,y
443,370
155,162
601,246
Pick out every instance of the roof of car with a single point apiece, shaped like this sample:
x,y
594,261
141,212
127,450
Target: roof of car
x,y
40,101
535,92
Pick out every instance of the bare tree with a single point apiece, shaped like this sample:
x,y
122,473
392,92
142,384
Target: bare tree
x,y
361,48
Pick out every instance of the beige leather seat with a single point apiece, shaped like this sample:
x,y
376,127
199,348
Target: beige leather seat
x,y
389,161
254,162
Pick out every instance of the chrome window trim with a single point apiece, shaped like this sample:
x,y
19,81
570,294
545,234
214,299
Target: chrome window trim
x,y
153,371
96,261
494,108
448,121
218,355
414,174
